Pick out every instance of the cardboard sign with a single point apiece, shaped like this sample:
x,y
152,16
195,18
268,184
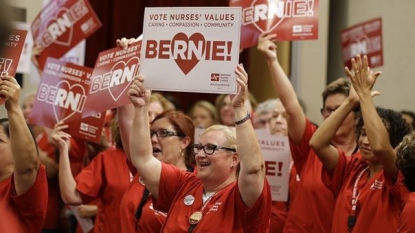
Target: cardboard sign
x,y
364,39
24,61
291,20
61,96
9,59
191,49
61,25
111,78
277,156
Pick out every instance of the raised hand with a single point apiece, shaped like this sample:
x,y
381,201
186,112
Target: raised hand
x,y
238,100
362,77
138,94
10,90
60,138
124,42
266,44
36,51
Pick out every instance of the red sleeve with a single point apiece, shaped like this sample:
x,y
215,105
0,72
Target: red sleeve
x,y
89,180
257,218
171,180
397,189
407,223
335,181
33,203
300,151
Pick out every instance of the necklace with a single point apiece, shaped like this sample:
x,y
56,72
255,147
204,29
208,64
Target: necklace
x,y
351,221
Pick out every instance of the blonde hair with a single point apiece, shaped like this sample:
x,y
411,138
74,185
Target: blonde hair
x,y
228,132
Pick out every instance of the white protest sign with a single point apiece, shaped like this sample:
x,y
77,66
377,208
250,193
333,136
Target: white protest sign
x,y
277,156
191,49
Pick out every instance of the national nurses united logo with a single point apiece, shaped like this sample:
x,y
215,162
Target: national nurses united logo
x,y
214,77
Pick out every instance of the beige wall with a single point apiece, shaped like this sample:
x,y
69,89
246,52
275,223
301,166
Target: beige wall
x,y
397,83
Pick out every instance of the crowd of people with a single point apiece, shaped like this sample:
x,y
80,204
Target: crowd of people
x,y
152,173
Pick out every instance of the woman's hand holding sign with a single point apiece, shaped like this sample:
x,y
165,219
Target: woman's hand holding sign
x,y
138,94
9,92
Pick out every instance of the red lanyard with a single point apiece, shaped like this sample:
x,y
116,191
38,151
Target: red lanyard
x,y
351,221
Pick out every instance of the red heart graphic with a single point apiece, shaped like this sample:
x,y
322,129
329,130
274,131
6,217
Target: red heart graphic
x,y
186,63
66,38
117,90
269,24
63,114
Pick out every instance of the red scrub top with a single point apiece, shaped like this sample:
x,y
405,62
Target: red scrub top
x,y
181,193
107,177
407,223
24,213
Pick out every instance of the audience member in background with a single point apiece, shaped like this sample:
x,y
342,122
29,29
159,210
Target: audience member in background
x,y
409,116
23,183
365,187
48,156
199,202
203,114
263,113
405,153
312,209
158,104
226,112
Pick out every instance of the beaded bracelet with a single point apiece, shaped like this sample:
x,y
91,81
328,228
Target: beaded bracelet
x,y
247,117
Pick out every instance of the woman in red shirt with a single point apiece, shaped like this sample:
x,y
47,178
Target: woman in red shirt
x,y
23,185
229,192
366,187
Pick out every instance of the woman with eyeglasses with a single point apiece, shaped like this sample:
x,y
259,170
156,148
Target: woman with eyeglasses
x,y
369,193
23,184
229,193
172,134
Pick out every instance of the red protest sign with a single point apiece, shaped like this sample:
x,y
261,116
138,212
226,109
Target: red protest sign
x,y
291,20
12,49
61,96
113,72
364,39
61,25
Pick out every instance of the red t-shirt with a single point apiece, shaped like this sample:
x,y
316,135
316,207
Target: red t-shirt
x,y
106,177
379,200
54,197
224,212
312,209
24,213
150,221
407,223
279,209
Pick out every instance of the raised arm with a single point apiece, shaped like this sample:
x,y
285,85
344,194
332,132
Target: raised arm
x,y
141,150
321,140
363,79
283,87
67,183
125,115
23,146
252,174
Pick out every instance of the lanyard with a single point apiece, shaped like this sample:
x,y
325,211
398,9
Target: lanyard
x,y
195,218
351,221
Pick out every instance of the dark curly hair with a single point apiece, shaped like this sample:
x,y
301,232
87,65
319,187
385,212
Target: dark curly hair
x,y
396,126
411,114
405,160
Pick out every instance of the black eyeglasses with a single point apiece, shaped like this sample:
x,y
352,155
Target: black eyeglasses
x,y
162,133
210,148
328,111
